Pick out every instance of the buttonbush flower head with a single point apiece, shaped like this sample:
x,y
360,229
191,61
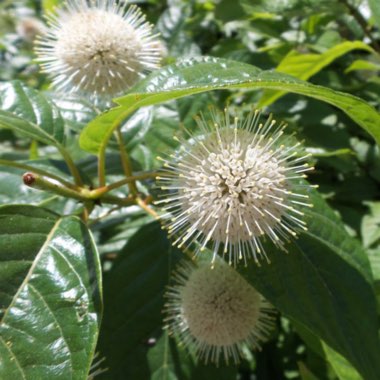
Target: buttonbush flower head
x,y
97,47
233,185
215,312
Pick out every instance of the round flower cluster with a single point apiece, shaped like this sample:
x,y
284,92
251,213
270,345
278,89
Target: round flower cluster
x,y
216,312
234,184
97,47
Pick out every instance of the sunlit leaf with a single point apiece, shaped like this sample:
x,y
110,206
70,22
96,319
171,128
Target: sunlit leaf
x,y
29,113
206,74
50,297
304,66
361,64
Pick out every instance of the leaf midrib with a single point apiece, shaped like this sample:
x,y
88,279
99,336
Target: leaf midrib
x,y
10,115
32,268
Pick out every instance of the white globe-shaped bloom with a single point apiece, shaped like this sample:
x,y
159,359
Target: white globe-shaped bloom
x,y
233,185
98,47
215,312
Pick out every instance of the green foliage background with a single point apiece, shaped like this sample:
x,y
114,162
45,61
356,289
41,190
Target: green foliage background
x,y
70,288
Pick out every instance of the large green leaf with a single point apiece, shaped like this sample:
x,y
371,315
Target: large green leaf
x,y
133,296
131,339
325,285
203,74
50,298
29,113
304,66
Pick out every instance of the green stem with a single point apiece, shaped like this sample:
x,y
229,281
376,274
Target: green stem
x,y
144,205
87,196
118,120
126,162
124,202
102,168
87,210
37,181
20,165
71,165
125,181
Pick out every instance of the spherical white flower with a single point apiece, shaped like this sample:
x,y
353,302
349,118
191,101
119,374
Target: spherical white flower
x,y
215,312
233,185
97,47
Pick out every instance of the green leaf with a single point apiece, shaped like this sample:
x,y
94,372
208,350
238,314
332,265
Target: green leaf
x,y
131,338
361,64
204,74
157,137
375,9
29,113
325,285
149,132
341,367
49,5
227,10
304,66
168,360
76,111
50,295
370,227
133,296
173,26
154,137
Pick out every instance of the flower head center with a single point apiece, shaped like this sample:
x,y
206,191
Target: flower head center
x,y
219,307
234,182
109,44
100,48
234,185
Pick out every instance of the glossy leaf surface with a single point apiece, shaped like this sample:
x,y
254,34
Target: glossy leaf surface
x,y
50,295
203,74
304,66
29,113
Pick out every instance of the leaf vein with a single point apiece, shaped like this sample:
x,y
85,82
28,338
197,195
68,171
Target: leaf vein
x,y
33,288
14,357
